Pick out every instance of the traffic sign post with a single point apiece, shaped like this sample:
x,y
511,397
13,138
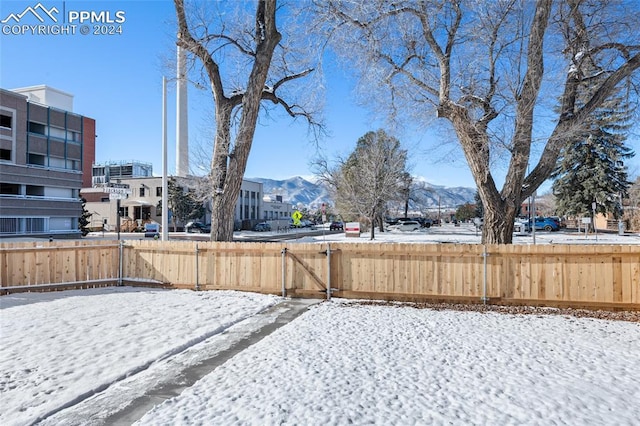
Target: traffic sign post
x,y
117,191
296,216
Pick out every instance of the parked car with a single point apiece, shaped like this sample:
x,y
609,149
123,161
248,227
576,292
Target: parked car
x,y
197,227
262,226
391,220
560,221
519,226
336,226
152,230
407,225
545,224
424,222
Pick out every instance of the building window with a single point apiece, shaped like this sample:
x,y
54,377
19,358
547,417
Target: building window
x,y
37,128
35,191
35,224
36,159
5,154
57,133
5,121
142,191
158,191
9,189
73,164
9,225
56,162
73,136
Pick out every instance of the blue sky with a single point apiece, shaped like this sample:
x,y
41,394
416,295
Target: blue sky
x,y
117,80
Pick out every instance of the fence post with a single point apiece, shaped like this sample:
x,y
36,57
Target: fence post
x,y
484,281
328,271
197,270
283,253
121,249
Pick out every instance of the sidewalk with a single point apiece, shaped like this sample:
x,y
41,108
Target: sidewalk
x,y
127,401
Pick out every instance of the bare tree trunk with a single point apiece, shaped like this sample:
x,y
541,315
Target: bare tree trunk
x,y
374,216
222,212
380,221
498,227
220,229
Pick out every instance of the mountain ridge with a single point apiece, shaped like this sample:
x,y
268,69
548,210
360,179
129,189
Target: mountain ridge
x,y
302,192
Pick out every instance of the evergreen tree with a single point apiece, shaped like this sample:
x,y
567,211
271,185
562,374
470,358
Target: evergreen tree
x,y
83,220
465,212
184,204
592,168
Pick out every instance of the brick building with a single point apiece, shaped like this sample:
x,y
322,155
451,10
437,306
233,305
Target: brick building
x,y
46,152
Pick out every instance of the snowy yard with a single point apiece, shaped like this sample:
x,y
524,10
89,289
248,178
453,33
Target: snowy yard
x,y
338,363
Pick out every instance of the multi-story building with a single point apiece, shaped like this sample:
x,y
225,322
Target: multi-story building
x,y
114,170
276,211
143,203
46,152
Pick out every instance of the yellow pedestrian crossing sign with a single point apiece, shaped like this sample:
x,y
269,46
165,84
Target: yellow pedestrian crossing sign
x,y
296,216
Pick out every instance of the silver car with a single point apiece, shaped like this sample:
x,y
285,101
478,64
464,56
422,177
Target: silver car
x,y
408,225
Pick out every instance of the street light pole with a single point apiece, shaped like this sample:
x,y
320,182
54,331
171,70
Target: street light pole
x,y
165,184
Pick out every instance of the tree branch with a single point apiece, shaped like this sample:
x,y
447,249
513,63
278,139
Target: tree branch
x,y
186,41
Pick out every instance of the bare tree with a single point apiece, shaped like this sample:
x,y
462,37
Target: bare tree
x,y
492,69
244,65
373,174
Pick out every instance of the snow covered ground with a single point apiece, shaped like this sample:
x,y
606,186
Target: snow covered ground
x,y
339,363
58,348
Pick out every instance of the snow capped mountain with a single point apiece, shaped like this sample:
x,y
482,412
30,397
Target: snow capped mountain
x,y
297,190
430,196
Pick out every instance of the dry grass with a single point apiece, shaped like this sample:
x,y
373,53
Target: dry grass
x,y
631,316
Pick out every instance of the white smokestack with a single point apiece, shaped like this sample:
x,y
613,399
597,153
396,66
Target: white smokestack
x,y
182,132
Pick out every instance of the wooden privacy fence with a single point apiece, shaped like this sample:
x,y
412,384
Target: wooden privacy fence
x,y
553,275
48,265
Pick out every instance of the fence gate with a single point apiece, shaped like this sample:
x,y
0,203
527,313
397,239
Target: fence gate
x,y
304,267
